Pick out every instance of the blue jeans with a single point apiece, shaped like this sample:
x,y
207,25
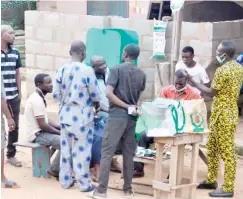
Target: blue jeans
x,y
48,139
97,141
96,150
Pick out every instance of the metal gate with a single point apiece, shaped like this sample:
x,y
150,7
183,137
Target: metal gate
x,y
105,8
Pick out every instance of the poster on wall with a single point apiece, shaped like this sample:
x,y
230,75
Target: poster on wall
x,y
159,41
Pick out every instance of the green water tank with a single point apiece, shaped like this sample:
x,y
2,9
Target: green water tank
x,y
108,43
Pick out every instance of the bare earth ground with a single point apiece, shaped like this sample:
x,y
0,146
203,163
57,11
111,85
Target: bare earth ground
x,y
40,188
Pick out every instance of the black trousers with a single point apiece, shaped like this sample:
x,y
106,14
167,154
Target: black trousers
x,y
144,141
14,108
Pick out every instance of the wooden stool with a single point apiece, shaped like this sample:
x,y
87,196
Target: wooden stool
x,y
40,157
173,189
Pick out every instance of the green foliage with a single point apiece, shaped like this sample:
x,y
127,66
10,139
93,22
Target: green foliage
x,y
6,5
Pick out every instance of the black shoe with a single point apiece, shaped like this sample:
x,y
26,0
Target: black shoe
x,y
138,174
90,189
53,173
204,185
128,194
221,194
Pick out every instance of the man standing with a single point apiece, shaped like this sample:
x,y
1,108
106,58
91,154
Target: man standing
x,y
101,72
124,87
39,127
224,119
193,68
77,90
5,183
10,64
181,90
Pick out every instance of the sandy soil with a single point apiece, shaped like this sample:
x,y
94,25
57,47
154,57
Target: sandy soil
x,y
39,188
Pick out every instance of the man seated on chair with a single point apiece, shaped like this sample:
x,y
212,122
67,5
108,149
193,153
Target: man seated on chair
x,y
39,128
181,90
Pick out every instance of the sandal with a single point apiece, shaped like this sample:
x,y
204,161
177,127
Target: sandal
x,y
14,162
10,184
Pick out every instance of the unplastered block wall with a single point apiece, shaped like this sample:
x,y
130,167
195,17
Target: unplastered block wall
x,y
205,37
49,34
228,30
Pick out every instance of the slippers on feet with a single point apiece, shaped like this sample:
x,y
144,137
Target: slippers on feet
x,y
14,162
10,184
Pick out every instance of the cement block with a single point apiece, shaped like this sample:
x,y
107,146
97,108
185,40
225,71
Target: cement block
x,y
59,61
241,28
201,48
142,27
44,62
71,22
162,76
239,45
51,48
215,45
62,35
221,30
208,31
87,21
64,51
205,61
150,72
29,32
148,94
146,43
119,22
44,34
235,29
32,17
184,43
30,61
79,35
33,46
144,60
190,30
52,20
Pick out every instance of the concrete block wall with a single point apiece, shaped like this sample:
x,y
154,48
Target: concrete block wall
x,y
205,37
49,34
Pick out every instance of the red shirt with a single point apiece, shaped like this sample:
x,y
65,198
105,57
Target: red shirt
x,y
171,93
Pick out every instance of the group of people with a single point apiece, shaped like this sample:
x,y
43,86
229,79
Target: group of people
x,y
98,113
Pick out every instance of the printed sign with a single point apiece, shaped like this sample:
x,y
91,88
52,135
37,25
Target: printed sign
x,y
159,41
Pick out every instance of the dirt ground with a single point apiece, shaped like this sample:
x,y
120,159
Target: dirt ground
x,y
40,188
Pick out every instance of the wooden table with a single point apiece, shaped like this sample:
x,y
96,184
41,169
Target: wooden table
x,y
173,189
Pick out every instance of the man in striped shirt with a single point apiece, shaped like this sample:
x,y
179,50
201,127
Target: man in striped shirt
x,y
10,64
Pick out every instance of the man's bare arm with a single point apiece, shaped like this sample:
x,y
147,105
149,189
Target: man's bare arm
x,y
114,99
208,91
54,124
6,112
46,127
18,82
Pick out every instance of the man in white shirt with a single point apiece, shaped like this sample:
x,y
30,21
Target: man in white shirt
x,y
194,69
39,128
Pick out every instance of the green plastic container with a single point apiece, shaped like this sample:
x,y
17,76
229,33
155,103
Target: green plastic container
x,y
109,43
